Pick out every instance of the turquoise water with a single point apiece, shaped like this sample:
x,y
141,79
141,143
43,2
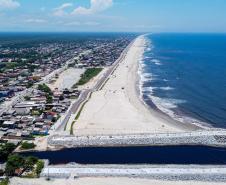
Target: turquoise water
x,y
184,75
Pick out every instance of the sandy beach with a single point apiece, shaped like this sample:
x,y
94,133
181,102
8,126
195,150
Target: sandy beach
x,y
117,108
108,181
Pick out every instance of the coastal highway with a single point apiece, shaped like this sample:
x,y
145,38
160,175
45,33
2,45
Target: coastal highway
x,y
85,93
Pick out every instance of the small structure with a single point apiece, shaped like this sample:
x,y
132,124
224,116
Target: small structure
x,y
9,124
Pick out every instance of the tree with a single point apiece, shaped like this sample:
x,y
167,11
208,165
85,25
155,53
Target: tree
x,y
30,161
40,166
25,145
4,181
44,88
49,99
14,162
6,149
27,98
61,98
30,84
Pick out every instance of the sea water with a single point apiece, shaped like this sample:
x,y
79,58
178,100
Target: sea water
x,y
184,76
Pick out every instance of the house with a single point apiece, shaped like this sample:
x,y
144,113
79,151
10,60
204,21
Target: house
x,y
38,99
39,131
21,110
39,124
25,133
50,115
9,124
6,93
25,107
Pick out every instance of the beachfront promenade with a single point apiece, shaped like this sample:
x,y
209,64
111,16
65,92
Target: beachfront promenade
x,y
203,137
166,172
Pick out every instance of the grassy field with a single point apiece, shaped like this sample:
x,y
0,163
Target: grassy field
x,y
88,75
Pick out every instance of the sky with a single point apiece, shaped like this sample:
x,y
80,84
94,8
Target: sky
x,y
113,16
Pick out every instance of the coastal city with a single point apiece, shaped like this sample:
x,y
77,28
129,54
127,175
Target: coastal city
x,y
28,106
36,93
112,92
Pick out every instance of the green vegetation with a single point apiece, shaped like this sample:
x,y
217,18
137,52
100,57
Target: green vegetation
x,y
44,88
13,163
76,118
49,98
25,145
30,84
104,84
30,162
36,112
88,75
17,164
6,149
39,167
11,65
47,90
16,64
4,182
78,115
27,98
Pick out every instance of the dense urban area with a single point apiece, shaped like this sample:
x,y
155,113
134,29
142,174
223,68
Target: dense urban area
x,y
29,108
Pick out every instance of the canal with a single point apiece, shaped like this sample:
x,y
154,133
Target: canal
x,y
136,155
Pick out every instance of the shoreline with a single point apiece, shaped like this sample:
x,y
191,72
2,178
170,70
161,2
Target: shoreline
x,y
153,108
119,102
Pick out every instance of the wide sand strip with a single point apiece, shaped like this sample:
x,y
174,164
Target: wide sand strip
x,y
117,109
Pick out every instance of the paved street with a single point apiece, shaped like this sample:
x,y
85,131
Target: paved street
x,y
84,94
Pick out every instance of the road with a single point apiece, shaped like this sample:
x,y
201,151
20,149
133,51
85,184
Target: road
x,y
20,95
85,94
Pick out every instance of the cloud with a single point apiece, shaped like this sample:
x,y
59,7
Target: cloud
x,y
95,7
72,23
60,11
92,23
76,23
35,21
9,4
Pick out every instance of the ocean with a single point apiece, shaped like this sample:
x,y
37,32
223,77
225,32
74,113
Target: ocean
x,y
184,76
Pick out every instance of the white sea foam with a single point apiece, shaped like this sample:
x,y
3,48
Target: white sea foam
x,y
165,103
147,57
156,62
147,89
167,106
167,88
145,77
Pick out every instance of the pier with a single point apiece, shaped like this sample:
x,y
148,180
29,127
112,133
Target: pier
x,y
203,137
167,172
